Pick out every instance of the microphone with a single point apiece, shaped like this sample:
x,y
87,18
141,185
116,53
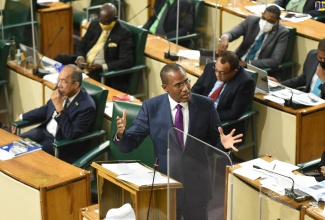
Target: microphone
x,y
39,72
167,55
139,12
292,193
153,180
290,103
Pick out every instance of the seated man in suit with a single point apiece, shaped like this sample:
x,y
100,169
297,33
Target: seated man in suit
x,y
163,22
229,85
67,115
265,39
198,117
107,45
301,6
313,73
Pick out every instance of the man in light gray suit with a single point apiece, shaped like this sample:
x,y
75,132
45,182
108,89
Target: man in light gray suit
x,y
265,39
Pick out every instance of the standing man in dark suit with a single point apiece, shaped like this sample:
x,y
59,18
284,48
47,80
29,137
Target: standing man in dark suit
x,y
199,119
313,73
301,6
265,39
107,45
163,22
235,85
67,115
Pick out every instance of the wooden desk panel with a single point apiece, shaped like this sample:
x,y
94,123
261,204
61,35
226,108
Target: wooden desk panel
x,y
41,186
50,21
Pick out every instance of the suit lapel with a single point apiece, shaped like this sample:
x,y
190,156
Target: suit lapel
x,y
193,112
76,102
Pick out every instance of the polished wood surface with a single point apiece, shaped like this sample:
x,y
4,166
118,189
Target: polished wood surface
x,y
51,20
115,193
89,213
316,212
62,188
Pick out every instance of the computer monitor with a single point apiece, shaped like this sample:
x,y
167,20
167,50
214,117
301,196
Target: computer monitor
x,y
262,84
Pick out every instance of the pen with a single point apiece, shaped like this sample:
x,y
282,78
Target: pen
x,y
274,166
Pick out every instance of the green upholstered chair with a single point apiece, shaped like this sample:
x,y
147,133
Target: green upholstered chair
x,y
249,117
196,36
140,39
96,133
4,52
287,65
17,20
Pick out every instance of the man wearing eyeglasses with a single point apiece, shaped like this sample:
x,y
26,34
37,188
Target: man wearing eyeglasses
x,y
313,73
232,83
67,115
158,116
264,39
107,45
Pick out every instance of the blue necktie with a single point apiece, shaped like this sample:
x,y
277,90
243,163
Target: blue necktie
x,y
316,89
255,48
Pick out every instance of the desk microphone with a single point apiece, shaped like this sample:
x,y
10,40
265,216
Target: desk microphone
x,y
290,103
153,180
139,12
167,55
292,193
39,72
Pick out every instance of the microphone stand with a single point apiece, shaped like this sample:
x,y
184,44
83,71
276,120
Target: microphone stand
x,y
153,180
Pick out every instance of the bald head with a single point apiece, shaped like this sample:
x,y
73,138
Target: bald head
x,y
108,13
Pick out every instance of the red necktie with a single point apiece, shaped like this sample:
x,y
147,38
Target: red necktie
x,y
216,93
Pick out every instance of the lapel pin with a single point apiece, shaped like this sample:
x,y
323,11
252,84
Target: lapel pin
x,y
76,103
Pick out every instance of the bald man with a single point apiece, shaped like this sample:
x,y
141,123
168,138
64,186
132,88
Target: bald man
x,y
107,45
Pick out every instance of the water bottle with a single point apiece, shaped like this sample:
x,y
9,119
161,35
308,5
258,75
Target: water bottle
x,y
58,67
18,57
12,51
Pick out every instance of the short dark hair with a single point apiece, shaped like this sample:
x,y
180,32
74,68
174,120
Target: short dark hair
x,y
274,10
229,57
168,68
76,75
321,45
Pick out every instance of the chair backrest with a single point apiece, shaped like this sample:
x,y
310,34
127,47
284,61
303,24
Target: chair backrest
x,y
140,40
291,43
198,13
4,52
100,97
254,76
145,152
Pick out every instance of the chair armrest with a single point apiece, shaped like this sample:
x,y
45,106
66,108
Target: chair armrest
x,y
88,158
247,114
310,165
320,18
113,73
88,136
24,123
18,25
284,64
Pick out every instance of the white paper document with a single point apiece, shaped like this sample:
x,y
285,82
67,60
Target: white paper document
x,y
259,9
308,99
136,173
189,54
297,17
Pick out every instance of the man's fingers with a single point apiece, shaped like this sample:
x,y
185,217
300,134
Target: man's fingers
x,y
124,115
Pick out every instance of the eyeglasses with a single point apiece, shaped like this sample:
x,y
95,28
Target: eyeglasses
x,y
270,21
180,86
63,81
321,59
221,73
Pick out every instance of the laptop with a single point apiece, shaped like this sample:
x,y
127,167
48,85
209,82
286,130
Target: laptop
x,y
262,85
29,53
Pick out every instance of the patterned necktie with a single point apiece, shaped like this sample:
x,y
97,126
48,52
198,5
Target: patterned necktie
x,y
66,104
216,93
179,124
255,48
316,90
92,53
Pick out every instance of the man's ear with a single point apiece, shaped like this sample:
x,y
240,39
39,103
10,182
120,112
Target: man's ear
x,y
165,87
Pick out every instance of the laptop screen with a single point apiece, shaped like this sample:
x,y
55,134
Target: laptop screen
x,y
262,82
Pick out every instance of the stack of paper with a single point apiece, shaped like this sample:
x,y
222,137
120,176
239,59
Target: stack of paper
x,y
259,9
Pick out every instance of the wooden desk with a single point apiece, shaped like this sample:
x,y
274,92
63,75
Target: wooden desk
x,y
40,186
315,212
268,206
293,136
51,20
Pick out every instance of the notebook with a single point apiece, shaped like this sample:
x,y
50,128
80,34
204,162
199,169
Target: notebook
x,y
29,53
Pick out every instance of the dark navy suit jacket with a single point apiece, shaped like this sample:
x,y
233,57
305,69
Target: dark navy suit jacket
x,y
236,97
190,166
